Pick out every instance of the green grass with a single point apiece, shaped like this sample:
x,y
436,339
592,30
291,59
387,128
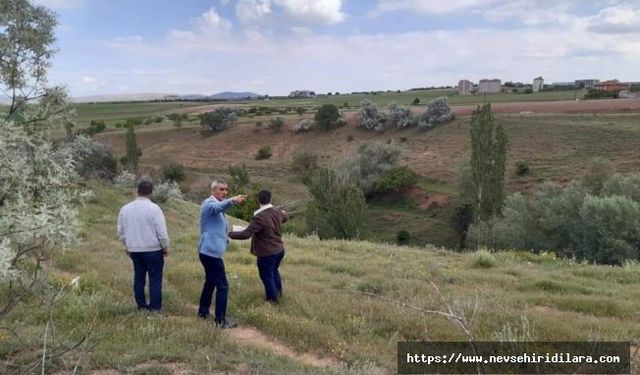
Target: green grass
x,y
325,309
114,112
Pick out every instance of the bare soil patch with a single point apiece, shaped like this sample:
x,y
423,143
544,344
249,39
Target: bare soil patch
x,y
253,337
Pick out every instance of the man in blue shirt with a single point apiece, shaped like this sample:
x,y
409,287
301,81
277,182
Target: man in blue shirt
x,y
213,245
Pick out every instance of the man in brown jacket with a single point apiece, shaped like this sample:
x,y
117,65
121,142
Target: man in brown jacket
x,y
266,243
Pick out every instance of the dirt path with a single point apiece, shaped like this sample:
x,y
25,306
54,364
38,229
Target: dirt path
x,y
251,336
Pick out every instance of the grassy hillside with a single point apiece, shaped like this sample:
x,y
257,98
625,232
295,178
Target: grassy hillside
x,y
557,147
344,303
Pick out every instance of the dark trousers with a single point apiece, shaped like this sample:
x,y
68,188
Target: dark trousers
x,y
270,276
151,263
215,278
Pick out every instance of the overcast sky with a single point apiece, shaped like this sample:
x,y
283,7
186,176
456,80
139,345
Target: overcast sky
x,y
276,46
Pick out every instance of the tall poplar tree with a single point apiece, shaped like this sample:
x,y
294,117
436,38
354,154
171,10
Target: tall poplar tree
x,y
488,163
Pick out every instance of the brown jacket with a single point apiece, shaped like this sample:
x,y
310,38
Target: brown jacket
x,y
264,231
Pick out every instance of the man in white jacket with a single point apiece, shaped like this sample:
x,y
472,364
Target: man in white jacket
x,y
143,231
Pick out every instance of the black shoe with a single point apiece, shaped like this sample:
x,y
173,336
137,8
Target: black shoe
x,y
226,324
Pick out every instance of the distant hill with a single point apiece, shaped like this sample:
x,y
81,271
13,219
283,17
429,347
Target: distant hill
x,y
227,95
136,97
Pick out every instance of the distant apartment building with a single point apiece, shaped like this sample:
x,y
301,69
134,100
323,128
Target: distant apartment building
x,y
465,87
586,83
302,94
489,86
538,84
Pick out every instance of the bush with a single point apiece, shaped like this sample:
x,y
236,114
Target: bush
x,y
328,117
369,117
337,210
403,237
218,120
125,179
276,123
94,160
403,139
597,174
264,152
415,101
301,110
303,126
304,165
483,259
173,172
350,138
400,116
368,165
395,179
522,168
166,190
572,221
438,112
98,126
259,126
239,176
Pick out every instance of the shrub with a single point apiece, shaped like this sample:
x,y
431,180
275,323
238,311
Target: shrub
x,y
98,125
218,120
415,101
483,259
403,139
350,138
403,237
173,172
336,210
367,166
276,123
522,168
303,126
264,152
166,190
239,176
301,110
125,179
438,112
369,117
304,165
396,178
94,160
400,116
598,172
328,117
259,126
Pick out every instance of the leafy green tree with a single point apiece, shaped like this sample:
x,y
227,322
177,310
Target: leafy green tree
x,y
336,210
328,117
218,120
488,162
395,179
370,162
27,44
239,176
438,112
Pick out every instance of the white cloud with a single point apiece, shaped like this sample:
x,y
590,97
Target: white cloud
x,y
60,4
620,19
253,11
430,7
88,79
211,23
324,12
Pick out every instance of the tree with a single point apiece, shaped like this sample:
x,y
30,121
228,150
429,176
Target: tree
x,y
26,47
218,120
368,166
328,117
488,162
400,116
337,210
301,110
276,124
438,112
133,152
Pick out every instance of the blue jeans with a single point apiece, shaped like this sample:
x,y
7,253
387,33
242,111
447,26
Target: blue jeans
x,y
215,279
151,263
270,276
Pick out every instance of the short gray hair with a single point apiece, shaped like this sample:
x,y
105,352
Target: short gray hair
x,y
217,182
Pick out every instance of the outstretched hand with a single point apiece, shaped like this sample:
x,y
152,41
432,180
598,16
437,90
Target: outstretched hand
x,y
239,198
